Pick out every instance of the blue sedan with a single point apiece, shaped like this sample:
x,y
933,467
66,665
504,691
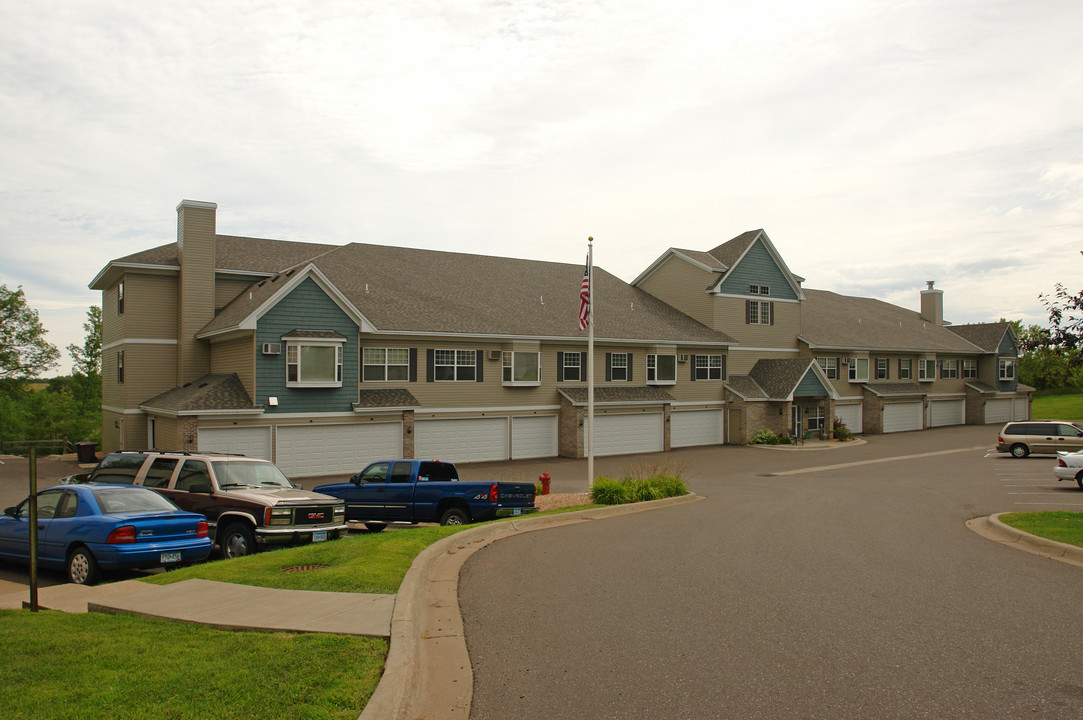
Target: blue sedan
x,y
86,529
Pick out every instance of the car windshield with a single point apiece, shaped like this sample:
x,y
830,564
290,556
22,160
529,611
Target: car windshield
x,y
133,499
242,473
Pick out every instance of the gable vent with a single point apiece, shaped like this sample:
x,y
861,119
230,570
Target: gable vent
x,y
272,348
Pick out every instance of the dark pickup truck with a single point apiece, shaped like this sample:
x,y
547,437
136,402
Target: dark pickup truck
x,y
415,491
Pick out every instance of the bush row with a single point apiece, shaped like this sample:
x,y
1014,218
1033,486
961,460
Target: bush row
x,y
609,491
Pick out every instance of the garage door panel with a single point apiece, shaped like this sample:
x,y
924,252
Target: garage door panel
x,y
307,450
695,427
946,412
1020,409
626,434
249,441
903,416
998,410
462,440
851,417
533,437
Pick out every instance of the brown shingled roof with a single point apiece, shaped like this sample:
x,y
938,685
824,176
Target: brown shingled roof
x,y
210,392
987,336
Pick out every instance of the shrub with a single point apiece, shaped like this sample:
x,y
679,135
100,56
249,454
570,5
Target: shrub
x,y
764,437
607,491
841,431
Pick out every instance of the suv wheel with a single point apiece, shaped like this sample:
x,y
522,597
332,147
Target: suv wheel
x,y
1019,450
237,540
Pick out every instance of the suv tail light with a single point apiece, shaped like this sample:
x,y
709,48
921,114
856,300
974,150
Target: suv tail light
x,y
202,529
493,493
122,534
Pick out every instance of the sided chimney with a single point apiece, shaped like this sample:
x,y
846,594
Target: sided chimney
x,y
932,304
196,227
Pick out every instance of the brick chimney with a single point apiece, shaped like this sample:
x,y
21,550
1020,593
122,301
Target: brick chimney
x,y
932,304
195,288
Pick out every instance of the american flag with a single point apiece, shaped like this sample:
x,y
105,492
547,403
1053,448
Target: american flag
x,y
584,298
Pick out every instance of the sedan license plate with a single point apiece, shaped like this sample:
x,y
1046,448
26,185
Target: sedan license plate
x,y
171,557
319,536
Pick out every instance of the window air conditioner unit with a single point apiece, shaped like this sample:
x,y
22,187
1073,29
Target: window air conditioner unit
x,y
682,358
272,348
496,354
850,361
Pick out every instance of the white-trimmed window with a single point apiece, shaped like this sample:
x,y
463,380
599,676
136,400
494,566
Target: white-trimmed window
x,y
970,368
830,366
859,369
385,364
708,367
926,370
760,312
618,366
814,418
1006,368
120,366
522,368
572,366
313,364
455,365
759,289
881,369
120,298
906,370
662,369
949,369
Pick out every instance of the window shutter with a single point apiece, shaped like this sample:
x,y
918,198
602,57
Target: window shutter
x,y
631,358
723,367
413,364
771,310
748,312
560,367
608,367
693,358
479,357
430,365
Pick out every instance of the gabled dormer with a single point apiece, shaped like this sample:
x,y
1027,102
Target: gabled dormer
x,y
753,268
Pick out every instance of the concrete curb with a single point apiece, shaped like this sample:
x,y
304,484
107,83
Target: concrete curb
x,y
991,528
427,673
813,445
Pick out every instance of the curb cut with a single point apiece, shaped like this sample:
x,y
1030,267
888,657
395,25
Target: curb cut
x,y
991,528
427,673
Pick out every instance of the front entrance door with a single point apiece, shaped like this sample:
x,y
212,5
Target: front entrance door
x,y
795,426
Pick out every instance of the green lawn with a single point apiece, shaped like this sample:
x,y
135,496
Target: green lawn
x,y
70,667
1058,407
1065,527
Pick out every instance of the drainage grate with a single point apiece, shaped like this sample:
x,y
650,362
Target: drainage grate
x,y
301,568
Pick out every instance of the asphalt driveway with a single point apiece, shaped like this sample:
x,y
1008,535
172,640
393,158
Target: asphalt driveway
x,y
834,584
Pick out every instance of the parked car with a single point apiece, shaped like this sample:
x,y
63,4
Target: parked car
x,y
87,529
413,491
1040,437
1070,467
250,505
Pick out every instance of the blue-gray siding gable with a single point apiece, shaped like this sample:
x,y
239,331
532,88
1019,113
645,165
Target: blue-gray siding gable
x,y
757,267
810,386
1008,349
307,307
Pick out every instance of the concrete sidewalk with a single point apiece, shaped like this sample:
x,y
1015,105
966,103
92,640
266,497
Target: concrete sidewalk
x,y
222,605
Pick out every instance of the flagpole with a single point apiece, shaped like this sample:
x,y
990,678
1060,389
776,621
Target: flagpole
x,y
590,365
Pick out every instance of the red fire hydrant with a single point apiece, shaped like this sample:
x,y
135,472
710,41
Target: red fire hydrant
x,y
544,478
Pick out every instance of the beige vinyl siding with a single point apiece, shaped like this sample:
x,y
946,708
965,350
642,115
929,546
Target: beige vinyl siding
x,y
225,289
729,317
149,370
739,363
110,431
165,434
491,393
237,356
684,286
114,326
150,307
196,242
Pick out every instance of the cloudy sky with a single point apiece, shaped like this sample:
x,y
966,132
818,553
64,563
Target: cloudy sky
x,y
880,144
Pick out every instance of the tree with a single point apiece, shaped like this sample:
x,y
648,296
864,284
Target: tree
x,y
1065,322
87,371
24,351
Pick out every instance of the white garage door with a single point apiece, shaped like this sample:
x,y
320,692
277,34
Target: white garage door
x,y
695,427
306,450
624,434
533,437
946,412
899,417
1020,409
851,417
998,411
251,441
466,440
